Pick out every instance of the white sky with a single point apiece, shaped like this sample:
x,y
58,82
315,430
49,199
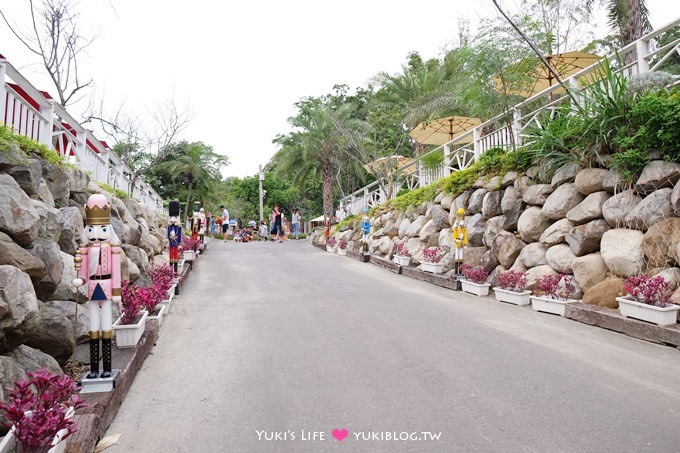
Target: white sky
x,y
240,67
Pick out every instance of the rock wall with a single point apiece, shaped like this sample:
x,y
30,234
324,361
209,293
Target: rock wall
x,y
41,217
583,222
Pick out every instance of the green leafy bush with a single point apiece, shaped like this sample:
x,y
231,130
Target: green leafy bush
x,y
113,191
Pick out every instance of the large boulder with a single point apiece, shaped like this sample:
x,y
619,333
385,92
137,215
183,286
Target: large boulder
x,y
440,217
27,174
10,372
58,182
537,272
521,185
564,175
660,241
137,256
589,209
13,254
509,179
18,306
656,175
31,360
476,201
506,247
560,258
44,193
512,207
17,215
428,230
589,270
65,290
491,204
50,254
653,208
589,180
585,239
50,226
622,251
616,208
536,195
532,223
77,181
445,239
675,199
476,226
446,202
532,255
604,293
492,228
561,201
415,226
72,221
54,334
555,233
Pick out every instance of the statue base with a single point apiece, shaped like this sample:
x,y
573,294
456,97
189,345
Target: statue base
x,y
98,384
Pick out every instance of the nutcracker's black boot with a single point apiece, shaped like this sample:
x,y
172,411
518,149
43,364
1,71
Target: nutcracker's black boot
x,y
106,354
94,356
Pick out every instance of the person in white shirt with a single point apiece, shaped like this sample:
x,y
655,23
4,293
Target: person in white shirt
x,y
295,222
225,223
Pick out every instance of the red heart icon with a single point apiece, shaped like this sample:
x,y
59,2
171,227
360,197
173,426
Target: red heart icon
x,y
340,434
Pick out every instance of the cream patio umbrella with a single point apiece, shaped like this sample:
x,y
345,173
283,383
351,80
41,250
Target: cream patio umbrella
x,y
540,78
394,162
443,130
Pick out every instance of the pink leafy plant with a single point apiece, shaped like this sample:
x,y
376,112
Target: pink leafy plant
x,y
130,301
512,280
162,276
331,242
649,290
342,244
433,255
475,274
401,249
47,397
557,286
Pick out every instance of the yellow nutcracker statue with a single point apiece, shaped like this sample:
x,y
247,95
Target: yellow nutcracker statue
x,y
460,239
97,264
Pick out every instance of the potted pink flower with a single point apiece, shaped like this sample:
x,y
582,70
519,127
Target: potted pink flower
x,y
649,299
163,277
189,247
511,288
330,244
342,247
129,327
431,260
402,256
40,411
475,280
552,293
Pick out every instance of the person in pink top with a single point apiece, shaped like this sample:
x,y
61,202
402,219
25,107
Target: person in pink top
x,y
97,263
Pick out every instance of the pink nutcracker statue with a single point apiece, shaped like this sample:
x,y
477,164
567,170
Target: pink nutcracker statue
x,y
97,264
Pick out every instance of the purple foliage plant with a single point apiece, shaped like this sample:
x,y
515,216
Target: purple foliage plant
x,y
649,290
512,280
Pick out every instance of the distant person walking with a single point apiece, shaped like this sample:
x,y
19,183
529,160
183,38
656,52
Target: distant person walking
x,y
278,228
225,223
295,222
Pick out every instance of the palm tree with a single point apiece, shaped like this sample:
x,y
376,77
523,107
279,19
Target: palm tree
x,y
199,164
315,147
629,18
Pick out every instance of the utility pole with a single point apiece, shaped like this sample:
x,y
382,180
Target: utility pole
x,y
261,194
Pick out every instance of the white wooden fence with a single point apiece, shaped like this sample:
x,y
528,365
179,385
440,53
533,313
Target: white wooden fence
x,y
33,113
506,130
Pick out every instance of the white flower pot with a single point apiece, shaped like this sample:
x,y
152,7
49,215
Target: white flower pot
x,y
550,305
435,268
329,249
9,442
127,335
663,316
478,289
402,260
342,252
188,255
159,317
512,297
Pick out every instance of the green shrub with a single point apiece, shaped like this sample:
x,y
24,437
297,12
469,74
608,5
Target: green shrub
x,y
630,163
656,117
433,160
115,192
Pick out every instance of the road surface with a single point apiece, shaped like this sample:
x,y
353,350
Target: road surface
x,y
286,348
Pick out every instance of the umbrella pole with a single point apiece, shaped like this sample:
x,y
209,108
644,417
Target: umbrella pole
x,y
540,55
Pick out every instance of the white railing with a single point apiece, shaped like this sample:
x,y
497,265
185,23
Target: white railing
x,y
33,113
506,130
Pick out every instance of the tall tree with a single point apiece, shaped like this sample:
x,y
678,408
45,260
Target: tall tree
x,y
55,37
199,164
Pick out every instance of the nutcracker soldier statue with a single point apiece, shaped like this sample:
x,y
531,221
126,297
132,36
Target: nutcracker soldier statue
x,y
174,234
365,229
460,240
97,264
195,222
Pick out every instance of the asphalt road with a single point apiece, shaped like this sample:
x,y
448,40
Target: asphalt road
x,y
275,347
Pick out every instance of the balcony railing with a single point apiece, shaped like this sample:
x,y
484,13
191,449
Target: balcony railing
x,y
507,129
34,114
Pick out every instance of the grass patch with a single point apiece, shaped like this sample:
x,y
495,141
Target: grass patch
x,y
113,191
